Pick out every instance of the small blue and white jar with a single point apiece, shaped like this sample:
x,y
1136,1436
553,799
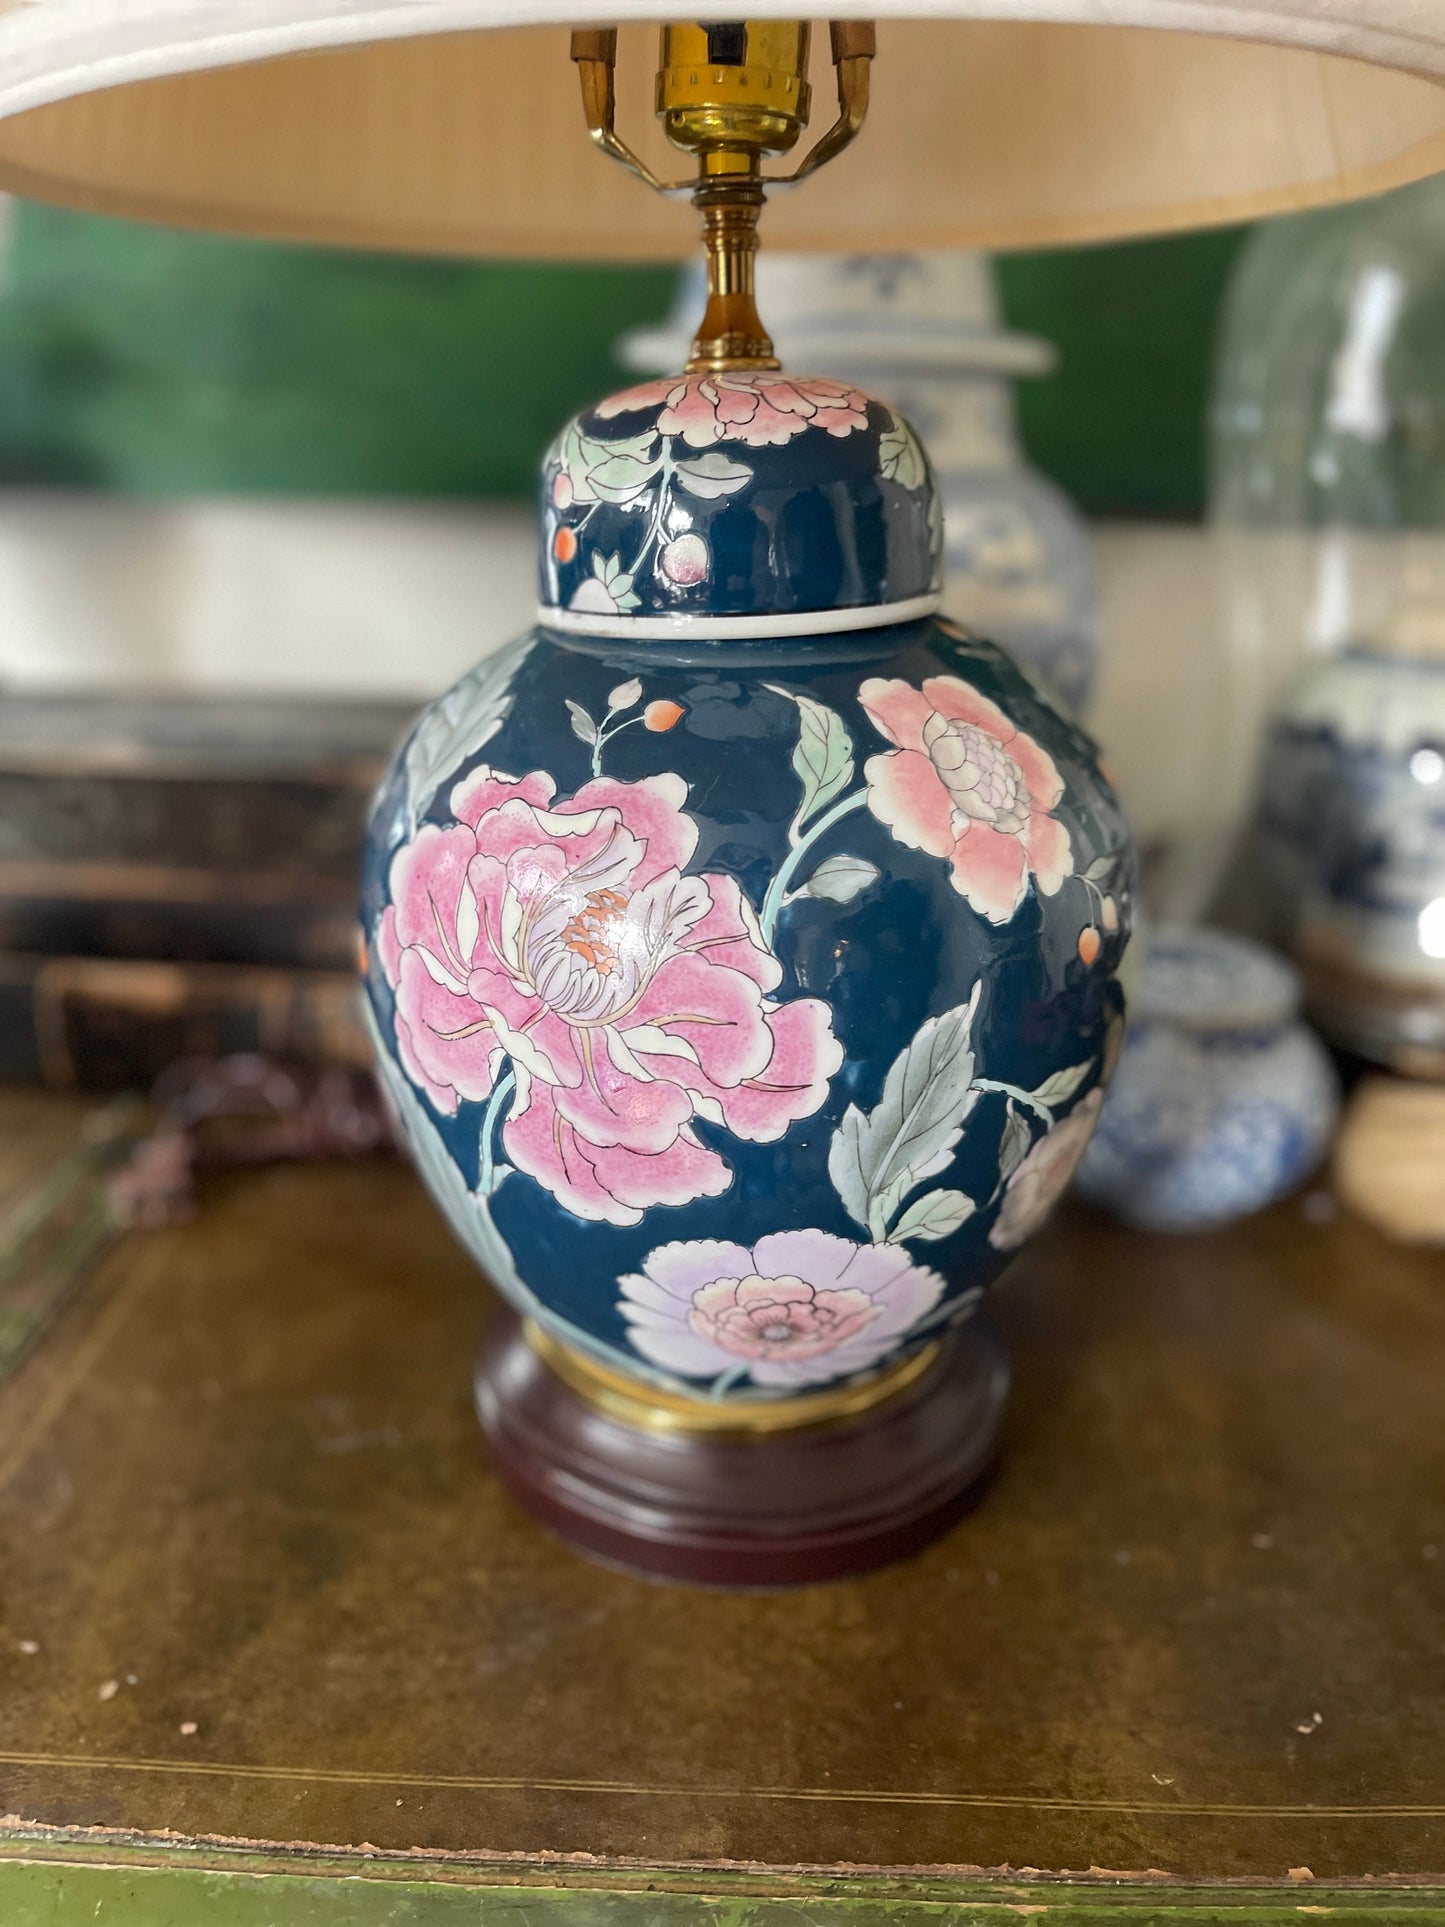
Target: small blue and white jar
x,y
1223,1099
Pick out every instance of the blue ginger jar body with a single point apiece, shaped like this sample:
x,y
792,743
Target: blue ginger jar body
x,y
741,941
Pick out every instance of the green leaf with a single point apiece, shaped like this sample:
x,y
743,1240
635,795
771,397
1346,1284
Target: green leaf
x,y
937,1214
466,1209
1059,1088
900,457
1015,1144
582,456
582,723
575,461
624,695
712,475
885,1202
1101,869
638,447
823,758
457,726
838,879
621,478
916,1124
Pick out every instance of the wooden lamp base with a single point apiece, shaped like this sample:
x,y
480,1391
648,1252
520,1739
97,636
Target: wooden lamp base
x,y
712,1507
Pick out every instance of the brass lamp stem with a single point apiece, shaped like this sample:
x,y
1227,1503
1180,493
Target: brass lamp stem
x,y
731,335
729,93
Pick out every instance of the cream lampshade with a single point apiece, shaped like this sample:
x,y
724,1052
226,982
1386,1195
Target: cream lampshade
x,y
452,125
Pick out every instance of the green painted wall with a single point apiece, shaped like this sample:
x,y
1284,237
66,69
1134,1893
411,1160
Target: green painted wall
x,y
156,363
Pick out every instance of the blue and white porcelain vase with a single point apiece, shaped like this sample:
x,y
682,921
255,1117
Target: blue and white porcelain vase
x,y
1352,828
741,941
1223,1100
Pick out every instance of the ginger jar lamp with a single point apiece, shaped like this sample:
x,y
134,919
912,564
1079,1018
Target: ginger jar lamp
x,y
924,332
741,941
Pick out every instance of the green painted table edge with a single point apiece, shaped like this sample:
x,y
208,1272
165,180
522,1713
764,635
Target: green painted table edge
x,y
50,1879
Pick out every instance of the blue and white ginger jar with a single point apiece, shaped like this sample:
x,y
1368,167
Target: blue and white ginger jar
x,y
1352,828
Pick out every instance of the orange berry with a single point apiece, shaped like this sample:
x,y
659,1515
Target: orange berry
x,y
662,715
1109,915
564,545
1089,944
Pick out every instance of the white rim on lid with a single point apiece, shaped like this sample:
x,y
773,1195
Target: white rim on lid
x,y
682,628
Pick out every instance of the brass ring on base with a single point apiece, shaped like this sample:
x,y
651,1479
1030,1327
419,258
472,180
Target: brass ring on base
x,y
757,1509
654,1410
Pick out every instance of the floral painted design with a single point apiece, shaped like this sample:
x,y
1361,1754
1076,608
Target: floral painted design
x,y
658,716
553,962
964,784
678,457
1104,885
759,408
608,590
881,1159
793,1310
1042,1178
553,956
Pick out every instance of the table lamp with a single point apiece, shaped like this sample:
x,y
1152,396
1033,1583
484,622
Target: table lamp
x,y
740,945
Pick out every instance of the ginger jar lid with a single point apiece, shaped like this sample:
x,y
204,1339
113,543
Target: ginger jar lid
x,y
748,503
1212,982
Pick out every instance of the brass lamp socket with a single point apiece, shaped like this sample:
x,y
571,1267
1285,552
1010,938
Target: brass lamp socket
x,y
730,93
734,88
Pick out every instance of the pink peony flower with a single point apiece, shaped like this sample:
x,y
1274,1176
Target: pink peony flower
x,y
1043,1177
797,1309
630,999
759,409
966,785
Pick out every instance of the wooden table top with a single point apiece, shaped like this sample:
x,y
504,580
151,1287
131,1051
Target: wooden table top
x,y
258,1584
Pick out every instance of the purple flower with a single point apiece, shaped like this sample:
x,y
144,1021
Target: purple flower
x,y
798,1308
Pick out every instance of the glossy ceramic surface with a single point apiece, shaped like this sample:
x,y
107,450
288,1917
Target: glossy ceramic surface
x,y
737,495
1223,1100
746,1000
